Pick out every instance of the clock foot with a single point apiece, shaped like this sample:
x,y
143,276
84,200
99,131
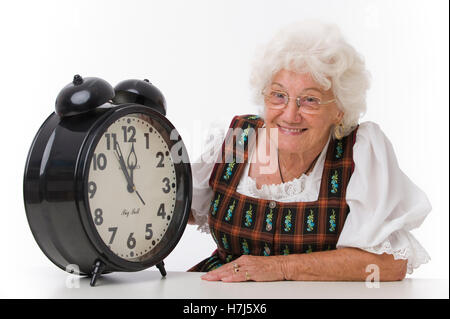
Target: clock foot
x,y
161,268
98,269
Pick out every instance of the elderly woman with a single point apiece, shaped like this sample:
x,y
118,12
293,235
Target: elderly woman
x,y
335,206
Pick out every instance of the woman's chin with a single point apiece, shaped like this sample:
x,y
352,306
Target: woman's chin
x,y
289,146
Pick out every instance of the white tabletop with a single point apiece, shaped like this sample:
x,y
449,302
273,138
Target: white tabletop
x,y
54,283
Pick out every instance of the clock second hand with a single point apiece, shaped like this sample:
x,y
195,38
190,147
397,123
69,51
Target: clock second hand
x,y
137,193
130,184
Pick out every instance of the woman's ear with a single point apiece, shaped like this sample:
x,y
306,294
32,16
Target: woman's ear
x,y
339,116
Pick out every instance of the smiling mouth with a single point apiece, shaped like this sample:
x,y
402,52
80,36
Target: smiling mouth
x,y
292,131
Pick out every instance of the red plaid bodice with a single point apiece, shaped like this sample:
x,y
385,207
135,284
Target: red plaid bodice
x,y
241,224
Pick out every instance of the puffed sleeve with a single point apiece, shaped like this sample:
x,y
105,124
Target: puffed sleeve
x,y
201,171
385,205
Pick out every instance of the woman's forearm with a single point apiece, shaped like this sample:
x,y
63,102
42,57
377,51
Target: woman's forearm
x,y
345,264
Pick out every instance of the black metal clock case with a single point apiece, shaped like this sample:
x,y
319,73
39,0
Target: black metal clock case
x,y
56,175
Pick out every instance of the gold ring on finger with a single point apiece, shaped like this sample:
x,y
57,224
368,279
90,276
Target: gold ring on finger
x,y
247,276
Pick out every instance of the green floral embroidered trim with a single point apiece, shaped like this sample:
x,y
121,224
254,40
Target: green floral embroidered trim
x,y
225,242
288,221
248,216
266,250
216,264
339,149
310,221
309,250
245,247
269,218
229,170
216,205
286,250
332,221
334,183
244,136
230,211
252,117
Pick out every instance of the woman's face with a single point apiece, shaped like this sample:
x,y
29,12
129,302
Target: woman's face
x,y
300,132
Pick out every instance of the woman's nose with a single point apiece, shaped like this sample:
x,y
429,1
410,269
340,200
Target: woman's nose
x,y
291,112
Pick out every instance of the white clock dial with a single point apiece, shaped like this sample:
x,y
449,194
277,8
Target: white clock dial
x,y
131,210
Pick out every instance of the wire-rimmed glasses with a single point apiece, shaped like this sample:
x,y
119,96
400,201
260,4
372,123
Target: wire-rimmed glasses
x,y
307,103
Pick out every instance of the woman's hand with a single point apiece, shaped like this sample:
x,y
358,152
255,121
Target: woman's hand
x,y
344,264
249,268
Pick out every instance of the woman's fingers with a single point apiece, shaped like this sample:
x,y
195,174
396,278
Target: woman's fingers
x,y
247,268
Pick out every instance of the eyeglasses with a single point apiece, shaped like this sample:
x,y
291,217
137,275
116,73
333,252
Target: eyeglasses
x,y
278,100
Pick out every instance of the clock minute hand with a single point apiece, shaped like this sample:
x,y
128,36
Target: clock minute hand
x,y
122,165
132,162
130,184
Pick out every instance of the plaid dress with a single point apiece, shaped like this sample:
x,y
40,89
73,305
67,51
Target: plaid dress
x,y
243,225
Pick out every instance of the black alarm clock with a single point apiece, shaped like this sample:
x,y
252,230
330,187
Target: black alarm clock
x,y
107,184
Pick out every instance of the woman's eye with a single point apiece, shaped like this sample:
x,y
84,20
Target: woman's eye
x,y
312,100
278,95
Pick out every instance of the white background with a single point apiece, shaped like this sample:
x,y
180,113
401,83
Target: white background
x,y
198,53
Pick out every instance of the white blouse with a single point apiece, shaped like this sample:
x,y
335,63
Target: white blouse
x,y
384,203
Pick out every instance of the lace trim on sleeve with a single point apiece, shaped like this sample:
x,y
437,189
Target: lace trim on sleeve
x,y
414,252
201,220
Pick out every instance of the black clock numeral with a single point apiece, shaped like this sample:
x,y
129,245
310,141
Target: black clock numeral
x,y
92,188
131,242
99,161
161,155
147,141
126,130
161,211
98,217
167,181
148,229
113,235
112,136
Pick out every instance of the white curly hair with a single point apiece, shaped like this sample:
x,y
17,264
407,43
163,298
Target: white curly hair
x,y
319,49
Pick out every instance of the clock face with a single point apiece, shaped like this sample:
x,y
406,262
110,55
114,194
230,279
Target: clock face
x,y
131,187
